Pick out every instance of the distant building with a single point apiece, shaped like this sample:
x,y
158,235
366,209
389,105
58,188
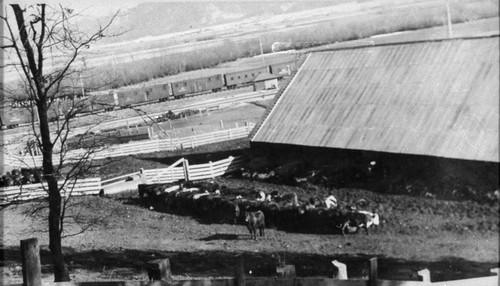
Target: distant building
x,y
265,81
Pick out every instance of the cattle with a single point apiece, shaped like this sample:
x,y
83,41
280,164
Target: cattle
x,y
331,202
354,220
255,220
288,199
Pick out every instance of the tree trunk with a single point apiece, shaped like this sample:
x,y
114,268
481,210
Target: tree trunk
x,y
60,269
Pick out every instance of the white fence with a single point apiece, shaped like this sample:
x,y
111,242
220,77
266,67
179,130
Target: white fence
x,y
149,146
91,186
181,170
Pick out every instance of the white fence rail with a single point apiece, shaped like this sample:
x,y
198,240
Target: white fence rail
x,y
81,187
181,170
149,146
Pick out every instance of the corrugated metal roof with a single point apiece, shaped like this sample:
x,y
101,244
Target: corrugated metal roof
x,y
437,98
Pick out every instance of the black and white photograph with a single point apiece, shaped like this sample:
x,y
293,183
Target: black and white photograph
x,y
249,143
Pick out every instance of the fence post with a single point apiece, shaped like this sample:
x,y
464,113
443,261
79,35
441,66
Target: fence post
x,y
425,274
240,272
159,269
373,275
221,125
30,260
341,270
211,169
186,170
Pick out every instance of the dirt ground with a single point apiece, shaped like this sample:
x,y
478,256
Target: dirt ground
x,y
455,240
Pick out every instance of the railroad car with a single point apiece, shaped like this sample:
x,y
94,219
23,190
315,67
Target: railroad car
x,y
82,105
239,78
127,98
197,85
104,101
283,69
109,100
64,106
159,92
13,117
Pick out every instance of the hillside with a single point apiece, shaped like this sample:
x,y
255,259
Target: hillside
x,y
153,19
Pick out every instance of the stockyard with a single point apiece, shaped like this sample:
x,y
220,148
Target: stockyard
x,y
367,161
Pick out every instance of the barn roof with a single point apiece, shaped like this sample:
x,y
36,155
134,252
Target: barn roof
x,y
437,98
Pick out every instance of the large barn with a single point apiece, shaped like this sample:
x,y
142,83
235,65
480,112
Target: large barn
x,y
420,111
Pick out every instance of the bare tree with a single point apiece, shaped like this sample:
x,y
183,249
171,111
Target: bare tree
x,y
38,35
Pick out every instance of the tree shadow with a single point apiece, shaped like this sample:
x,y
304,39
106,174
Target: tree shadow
x,y
126,264
221,236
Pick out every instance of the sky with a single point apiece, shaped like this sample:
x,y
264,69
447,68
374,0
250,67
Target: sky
x,y
93,7
107,7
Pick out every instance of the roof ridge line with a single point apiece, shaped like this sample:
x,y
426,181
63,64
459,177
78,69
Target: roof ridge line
x,y
362,46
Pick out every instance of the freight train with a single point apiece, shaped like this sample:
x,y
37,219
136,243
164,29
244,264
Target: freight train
x,y
99,101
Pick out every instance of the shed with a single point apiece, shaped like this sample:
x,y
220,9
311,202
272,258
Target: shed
x,y
265,81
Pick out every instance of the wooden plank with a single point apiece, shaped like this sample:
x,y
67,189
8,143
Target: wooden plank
x,y
401,283
483,281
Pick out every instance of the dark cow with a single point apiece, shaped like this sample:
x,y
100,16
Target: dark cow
x,y
255,220
355,220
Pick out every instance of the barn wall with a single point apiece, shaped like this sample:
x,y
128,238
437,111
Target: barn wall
x,y
392,172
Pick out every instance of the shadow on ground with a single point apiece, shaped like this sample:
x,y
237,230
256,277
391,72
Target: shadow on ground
x,y
127,263
221,236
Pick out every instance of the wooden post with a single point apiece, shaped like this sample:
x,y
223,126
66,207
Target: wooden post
x,y
186,170
286,271
341,270
30,260
425,274
239,279
159,269
373,275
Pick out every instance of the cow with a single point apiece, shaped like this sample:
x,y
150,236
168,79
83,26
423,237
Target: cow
x,y
354,220
288,199
331,202
255,220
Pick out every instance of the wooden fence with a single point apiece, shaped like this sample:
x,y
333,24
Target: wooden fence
x,y
81,187
181,170
159,271
138,147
